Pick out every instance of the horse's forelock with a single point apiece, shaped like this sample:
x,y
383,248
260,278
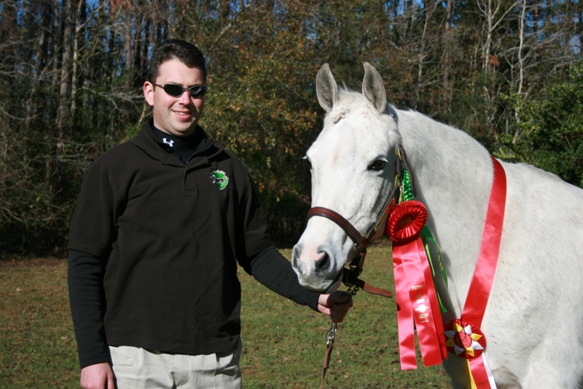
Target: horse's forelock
x,y
350,100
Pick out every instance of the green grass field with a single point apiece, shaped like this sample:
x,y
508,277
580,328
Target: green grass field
x,y
283,343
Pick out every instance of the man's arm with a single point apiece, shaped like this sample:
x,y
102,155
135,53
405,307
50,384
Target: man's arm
x,y
271,269
87,300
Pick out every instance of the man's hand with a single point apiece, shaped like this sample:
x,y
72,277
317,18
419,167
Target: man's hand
x,y
98,376
335,305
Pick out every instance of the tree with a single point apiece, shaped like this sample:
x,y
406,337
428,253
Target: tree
x,y
551,126
71,73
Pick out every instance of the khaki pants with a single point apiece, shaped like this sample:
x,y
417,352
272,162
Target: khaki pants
x,y
136,368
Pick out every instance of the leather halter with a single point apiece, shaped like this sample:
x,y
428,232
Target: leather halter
x,y
361,242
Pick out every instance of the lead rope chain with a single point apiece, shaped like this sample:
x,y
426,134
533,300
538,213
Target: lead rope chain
x,y
331,335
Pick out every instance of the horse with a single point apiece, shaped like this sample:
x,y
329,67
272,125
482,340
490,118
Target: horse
x,y
534,317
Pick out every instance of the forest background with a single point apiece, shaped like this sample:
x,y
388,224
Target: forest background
x,y
507,72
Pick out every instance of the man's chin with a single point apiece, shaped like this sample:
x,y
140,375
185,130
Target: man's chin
x,y
184,130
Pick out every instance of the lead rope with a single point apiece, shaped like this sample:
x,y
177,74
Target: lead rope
x,y
351,290
330,336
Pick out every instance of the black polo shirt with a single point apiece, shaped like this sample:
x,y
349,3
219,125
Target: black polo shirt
x,y
168,236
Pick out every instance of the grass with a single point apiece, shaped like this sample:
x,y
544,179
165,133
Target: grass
x,y
283,343
37,346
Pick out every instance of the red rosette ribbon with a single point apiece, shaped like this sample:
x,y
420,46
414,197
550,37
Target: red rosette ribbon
x,y
464,340
418,305
406,221
468,342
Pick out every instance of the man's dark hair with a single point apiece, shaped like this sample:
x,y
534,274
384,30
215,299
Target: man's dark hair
x,y
185,52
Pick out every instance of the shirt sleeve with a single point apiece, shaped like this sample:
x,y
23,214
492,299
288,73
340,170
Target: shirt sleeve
x,y
271,269
87,299
93,225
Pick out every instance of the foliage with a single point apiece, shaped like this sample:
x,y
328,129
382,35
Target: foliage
x,y
71,73
283,343
550,131
262,106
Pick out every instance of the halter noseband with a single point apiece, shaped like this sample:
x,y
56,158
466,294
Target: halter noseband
x,y
360,241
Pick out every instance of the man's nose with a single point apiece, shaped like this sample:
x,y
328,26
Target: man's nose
x,y
185,97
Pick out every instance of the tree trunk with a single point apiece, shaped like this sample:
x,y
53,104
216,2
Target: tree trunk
x,y
68,20
447,94
81,16
65,71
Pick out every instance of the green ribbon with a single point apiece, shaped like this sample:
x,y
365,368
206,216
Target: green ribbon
x,y
426,235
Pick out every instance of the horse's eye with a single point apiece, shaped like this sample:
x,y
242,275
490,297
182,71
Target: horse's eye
x,y
377,165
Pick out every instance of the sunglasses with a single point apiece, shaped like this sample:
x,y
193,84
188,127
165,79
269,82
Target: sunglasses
x,y
175,90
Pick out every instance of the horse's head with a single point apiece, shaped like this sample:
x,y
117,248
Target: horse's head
x,y
353,169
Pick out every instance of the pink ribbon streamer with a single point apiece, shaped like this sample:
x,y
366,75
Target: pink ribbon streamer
x,y
418,303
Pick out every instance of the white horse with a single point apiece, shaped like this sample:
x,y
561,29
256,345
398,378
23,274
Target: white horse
x,y
534,318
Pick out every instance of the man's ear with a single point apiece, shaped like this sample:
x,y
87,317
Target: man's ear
x,y
149,93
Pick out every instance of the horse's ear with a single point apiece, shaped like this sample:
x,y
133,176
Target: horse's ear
x,y
326,88
373,88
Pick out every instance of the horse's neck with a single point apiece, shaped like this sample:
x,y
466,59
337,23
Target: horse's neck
x,y
453,176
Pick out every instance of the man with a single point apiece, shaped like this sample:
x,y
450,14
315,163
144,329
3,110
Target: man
x,y
160,225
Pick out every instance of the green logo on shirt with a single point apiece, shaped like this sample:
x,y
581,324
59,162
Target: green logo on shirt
x,y
220,178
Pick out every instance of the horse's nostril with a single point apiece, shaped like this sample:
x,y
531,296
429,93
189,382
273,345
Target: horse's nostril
x,y
294,260
323,263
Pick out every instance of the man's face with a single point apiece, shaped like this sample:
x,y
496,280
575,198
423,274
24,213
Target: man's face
x,y
175,115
